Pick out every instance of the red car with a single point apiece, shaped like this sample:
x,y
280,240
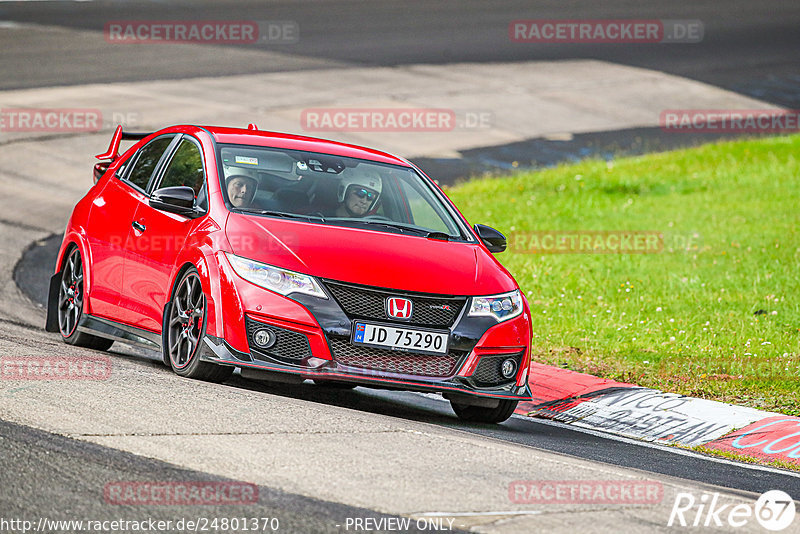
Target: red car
x,y
291,258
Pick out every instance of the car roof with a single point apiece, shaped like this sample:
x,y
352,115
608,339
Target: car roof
x,y
299,142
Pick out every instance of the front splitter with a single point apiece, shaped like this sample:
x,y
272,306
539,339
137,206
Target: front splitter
x,y
218,351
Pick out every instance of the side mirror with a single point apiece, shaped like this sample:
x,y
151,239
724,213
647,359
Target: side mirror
x,y
178,199
494,240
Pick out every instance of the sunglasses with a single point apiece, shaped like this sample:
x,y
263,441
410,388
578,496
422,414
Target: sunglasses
x,y
365,193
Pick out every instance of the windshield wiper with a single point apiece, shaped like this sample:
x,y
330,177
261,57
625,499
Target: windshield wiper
x,y
281,214
404,227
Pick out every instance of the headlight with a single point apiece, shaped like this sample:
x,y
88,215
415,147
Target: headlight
x,y
501,307
275,279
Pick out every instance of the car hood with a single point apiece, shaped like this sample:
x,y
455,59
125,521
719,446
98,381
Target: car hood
x,y
368,257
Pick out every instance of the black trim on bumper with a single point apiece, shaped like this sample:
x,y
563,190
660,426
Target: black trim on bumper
x,y
217,350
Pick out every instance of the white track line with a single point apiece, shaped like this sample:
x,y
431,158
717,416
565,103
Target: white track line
x,y
673,450
641,443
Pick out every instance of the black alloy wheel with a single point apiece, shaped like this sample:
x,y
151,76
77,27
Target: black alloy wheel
x,y
185,328
70,305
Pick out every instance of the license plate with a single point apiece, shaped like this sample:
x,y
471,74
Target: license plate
x,y
408,339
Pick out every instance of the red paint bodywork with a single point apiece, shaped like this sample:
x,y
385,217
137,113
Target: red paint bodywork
x,y
370,257
129,274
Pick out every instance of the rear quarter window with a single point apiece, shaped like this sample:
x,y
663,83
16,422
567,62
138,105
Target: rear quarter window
x,y
185,168
146,161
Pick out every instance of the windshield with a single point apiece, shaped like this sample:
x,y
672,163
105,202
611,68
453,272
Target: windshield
x,y
333,190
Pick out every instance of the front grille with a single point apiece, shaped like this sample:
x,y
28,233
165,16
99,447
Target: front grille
x,y
289,345
488,372
370,303
391,361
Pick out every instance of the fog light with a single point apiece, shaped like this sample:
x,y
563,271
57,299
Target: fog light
x,y
264,338
508,368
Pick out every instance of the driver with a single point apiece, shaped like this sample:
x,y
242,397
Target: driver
x,y
359,191
241,185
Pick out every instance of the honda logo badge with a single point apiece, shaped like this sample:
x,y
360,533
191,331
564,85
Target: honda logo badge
x,y
398,308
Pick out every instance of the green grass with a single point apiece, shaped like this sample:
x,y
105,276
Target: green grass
x,y
780,464
683,319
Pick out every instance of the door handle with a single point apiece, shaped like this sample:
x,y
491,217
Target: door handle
x,y
139,226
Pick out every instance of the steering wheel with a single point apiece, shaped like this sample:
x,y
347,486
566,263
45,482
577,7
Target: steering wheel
x,y
376,218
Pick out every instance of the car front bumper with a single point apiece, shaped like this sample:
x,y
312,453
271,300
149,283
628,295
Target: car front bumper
x,y
218,351
312,340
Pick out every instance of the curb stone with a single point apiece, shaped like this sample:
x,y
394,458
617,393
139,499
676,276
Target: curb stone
x,y
642,413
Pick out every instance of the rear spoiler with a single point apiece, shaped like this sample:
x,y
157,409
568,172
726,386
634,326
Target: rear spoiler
x,y
113,149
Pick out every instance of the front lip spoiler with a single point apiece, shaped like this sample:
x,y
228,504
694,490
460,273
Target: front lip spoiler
x,y
216,350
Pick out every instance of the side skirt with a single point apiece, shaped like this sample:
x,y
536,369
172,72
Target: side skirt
x,y
119,332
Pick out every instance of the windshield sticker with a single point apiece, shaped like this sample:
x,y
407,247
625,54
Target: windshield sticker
x,y
246,160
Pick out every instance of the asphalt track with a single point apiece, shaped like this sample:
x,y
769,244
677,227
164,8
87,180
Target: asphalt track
x,y
33,270
749,47
65,478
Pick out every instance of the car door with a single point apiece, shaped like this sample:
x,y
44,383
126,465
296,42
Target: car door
x,y
158,237
109,225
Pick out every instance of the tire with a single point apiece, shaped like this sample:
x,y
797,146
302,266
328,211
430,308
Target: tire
x,y
333,384
70,306
481,414
183,328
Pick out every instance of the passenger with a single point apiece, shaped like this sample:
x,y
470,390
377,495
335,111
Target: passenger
x,y
241,185
359,192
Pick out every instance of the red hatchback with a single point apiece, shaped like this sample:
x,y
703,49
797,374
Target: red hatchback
x,y
291,258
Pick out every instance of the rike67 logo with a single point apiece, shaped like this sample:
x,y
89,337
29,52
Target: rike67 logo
x,y
774,511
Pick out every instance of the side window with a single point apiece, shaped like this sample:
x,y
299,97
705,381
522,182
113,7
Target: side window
x,y
186,168
146,162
